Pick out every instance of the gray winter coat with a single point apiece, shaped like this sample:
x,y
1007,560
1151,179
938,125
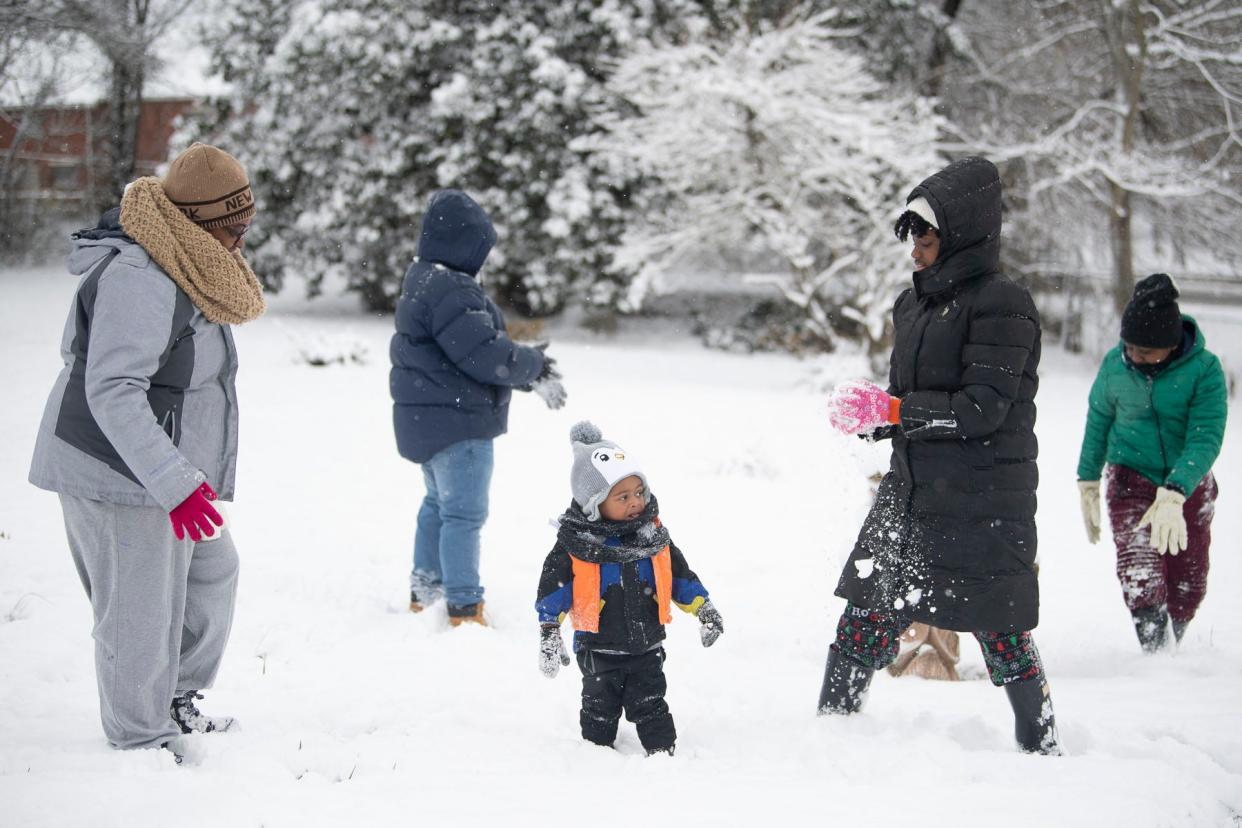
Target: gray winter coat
x,y
145,409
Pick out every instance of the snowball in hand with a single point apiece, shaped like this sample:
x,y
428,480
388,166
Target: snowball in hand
x,y
858,406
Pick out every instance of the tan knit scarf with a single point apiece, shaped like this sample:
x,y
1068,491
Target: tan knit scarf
x,y
218,281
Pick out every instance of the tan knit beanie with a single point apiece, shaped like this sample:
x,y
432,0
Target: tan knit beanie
x,y
209,186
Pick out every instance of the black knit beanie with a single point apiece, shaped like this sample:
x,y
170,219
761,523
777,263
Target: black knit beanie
x,y
1152,319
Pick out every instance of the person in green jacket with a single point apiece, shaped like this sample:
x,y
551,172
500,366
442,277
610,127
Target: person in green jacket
x,y
1156,415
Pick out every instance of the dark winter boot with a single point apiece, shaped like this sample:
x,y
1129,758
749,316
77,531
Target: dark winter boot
x,y
1151,625
1179,629
1035,728
416,603
186,715
662,750
845,684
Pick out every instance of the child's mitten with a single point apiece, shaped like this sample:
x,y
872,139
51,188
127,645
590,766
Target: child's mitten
x,y
548,384
713,624
552,653
549,369
550,391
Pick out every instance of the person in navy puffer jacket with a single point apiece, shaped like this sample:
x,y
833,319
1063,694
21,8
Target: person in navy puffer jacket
x,y
453,371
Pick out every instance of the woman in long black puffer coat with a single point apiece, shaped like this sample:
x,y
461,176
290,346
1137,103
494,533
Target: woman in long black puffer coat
x,y
950,540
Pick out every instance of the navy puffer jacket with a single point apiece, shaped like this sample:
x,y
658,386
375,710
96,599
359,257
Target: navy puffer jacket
x,y
453,365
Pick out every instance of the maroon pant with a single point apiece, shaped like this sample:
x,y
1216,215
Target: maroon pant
x,y
1149,579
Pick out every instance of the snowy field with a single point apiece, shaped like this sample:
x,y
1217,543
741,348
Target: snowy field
x,y
353,711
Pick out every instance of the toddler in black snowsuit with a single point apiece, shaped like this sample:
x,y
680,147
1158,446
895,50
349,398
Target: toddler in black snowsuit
x,y
615,571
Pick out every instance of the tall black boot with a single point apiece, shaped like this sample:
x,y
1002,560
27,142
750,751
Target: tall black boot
x,y
1179,629
1035,727
1151,625
845,684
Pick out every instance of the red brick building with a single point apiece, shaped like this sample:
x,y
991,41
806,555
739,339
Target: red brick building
x,y
62,156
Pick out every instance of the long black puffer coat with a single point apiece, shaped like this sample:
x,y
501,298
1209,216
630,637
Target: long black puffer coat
x,y
951,538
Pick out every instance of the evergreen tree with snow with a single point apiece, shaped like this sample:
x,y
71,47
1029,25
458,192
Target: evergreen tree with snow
x,y
359,109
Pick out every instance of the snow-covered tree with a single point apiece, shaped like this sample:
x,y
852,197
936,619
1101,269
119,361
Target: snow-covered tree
x,y
507,115
328,115
352,112
1112,115
781,144
124,32
906,42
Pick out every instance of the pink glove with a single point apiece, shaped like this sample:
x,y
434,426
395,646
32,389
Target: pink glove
x,y
193,513
858,406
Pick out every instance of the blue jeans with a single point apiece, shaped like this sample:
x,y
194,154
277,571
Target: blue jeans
x,y
446,543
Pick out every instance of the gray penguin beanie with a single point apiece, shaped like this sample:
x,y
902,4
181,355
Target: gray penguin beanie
x,y
599,465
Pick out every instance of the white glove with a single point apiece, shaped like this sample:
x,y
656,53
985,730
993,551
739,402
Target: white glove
x,y
1089,494
1168,524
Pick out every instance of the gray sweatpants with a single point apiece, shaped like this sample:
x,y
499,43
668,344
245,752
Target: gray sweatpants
x,y
163,609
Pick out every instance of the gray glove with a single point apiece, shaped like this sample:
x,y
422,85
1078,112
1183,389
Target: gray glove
x,y
548,384
713,624
551,391
552,653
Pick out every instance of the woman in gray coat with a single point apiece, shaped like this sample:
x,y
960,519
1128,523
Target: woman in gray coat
x,y
139,436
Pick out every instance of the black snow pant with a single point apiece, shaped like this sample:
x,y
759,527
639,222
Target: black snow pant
x,y
612,682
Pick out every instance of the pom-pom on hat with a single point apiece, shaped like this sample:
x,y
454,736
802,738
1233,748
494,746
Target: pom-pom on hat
x,y
209,186
599,465
1152,319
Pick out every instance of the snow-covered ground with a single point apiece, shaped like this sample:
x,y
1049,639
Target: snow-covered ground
x,y
354,711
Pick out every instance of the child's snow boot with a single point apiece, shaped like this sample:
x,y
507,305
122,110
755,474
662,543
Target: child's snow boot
x,y
416,604
845,684
1035,727
186,715
1151,625
470,613
667,751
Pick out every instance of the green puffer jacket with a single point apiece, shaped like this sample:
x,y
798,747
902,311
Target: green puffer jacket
x,y
1168,427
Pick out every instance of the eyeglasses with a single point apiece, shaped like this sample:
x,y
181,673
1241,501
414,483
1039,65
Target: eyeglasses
x,y
237,234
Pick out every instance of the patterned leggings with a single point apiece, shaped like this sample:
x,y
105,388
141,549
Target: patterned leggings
x,y
873,639
1149,579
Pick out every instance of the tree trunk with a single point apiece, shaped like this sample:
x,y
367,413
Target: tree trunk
x,y
1122,244
940,52
1129,49
124,108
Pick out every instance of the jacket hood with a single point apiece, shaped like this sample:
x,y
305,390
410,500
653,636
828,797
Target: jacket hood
x,y
966,198
108,227
456,233
92,243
